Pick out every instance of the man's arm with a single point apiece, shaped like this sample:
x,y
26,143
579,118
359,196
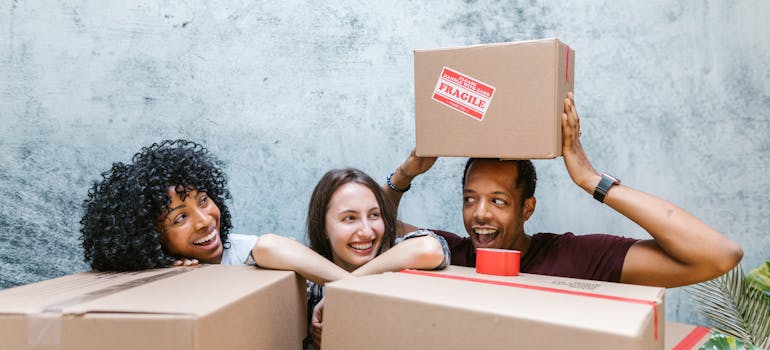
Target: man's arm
x,y
684,250
402,178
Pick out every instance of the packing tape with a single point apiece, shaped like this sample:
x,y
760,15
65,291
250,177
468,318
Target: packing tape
x,y
499,262
44,328
651,303
692,338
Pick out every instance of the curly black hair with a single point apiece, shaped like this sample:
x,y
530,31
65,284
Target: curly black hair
x,y
120,228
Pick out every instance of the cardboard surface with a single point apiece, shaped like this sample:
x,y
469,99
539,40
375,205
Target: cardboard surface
x,y
205,307
457,308
680,336
500,100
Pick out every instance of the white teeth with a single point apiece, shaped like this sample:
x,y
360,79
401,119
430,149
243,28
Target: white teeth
x,y
361,246
485,231
207,238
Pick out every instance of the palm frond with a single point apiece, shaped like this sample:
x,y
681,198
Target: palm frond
x,y
735,307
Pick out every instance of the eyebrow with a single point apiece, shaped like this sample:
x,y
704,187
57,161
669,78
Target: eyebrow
x,y
171,210
495,192
355,211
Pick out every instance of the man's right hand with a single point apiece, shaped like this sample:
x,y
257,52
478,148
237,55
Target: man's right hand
x,y
402,178
415,165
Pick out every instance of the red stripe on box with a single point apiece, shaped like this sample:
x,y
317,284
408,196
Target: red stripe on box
x,y
458,106
692,338
546,289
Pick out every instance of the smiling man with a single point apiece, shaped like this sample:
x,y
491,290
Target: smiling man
x,y
498,197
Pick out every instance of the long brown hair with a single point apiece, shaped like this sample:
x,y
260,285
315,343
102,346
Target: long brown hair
x,y
319,204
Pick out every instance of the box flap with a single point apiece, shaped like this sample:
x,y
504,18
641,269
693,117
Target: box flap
x,y
152,291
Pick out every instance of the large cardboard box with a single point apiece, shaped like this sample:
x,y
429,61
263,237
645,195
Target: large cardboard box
x,y
501,100
206,307
459,309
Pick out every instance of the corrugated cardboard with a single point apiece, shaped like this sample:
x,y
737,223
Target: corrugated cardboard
x,y
680,336
206,307
520,87
459,309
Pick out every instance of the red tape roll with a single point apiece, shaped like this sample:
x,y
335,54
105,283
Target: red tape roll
x,y
500,262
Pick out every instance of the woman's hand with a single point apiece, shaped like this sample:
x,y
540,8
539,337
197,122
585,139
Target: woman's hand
x,y
317,323
185,262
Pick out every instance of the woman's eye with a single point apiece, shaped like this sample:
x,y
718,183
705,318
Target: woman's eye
x,y
374,215
348,218
179,218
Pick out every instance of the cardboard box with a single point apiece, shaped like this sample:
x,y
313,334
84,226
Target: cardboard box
x,y
206,307
500,100
680,336
459,309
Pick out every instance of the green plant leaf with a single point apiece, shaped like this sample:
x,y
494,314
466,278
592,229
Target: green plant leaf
x,y
735,306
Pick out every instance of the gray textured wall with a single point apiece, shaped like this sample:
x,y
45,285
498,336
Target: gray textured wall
x,y
674,99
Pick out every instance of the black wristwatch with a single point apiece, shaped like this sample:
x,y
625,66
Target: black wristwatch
x,y
604,186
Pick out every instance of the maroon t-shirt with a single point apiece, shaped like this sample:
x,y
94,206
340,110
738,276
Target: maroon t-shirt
x,y
596,256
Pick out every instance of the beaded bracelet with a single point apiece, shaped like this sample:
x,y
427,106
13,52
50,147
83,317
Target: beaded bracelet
x,y
394,188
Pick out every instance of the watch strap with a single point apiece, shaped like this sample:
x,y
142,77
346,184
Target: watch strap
x,y
604,186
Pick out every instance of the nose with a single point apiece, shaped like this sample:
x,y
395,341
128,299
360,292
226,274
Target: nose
x,y
481,214
201,219
366,230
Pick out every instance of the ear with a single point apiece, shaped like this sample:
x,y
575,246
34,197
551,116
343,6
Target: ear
x,y
529,207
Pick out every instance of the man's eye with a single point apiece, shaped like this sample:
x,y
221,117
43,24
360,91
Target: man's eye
x,y
204,201
469,199
498,201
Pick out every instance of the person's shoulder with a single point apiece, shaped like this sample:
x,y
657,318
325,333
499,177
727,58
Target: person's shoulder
x,y
449,236
240,237
571,238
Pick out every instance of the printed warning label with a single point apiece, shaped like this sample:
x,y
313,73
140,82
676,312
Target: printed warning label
x,y
463,93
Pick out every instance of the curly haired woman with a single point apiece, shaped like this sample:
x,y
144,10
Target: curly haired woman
x,y
165,207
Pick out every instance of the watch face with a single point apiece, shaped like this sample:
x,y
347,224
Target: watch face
x,y
611,178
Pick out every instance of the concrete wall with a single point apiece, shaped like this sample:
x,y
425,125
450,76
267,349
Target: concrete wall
x,y
673,97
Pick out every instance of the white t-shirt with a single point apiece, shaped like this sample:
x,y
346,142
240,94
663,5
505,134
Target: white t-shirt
x,y
239,249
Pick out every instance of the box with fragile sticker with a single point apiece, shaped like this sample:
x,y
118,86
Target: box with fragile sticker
x,y
204,307
457,308
502,100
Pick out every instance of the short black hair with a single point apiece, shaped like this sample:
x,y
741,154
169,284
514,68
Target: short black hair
x,y
121,228
526,180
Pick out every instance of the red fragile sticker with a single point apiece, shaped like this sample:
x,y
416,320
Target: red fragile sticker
x,y
463,93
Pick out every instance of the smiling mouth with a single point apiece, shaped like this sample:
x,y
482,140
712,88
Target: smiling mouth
x,y
485,235
362,245
208,239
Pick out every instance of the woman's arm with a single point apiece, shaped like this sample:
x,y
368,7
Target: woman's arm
x,y
423,252
281,253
